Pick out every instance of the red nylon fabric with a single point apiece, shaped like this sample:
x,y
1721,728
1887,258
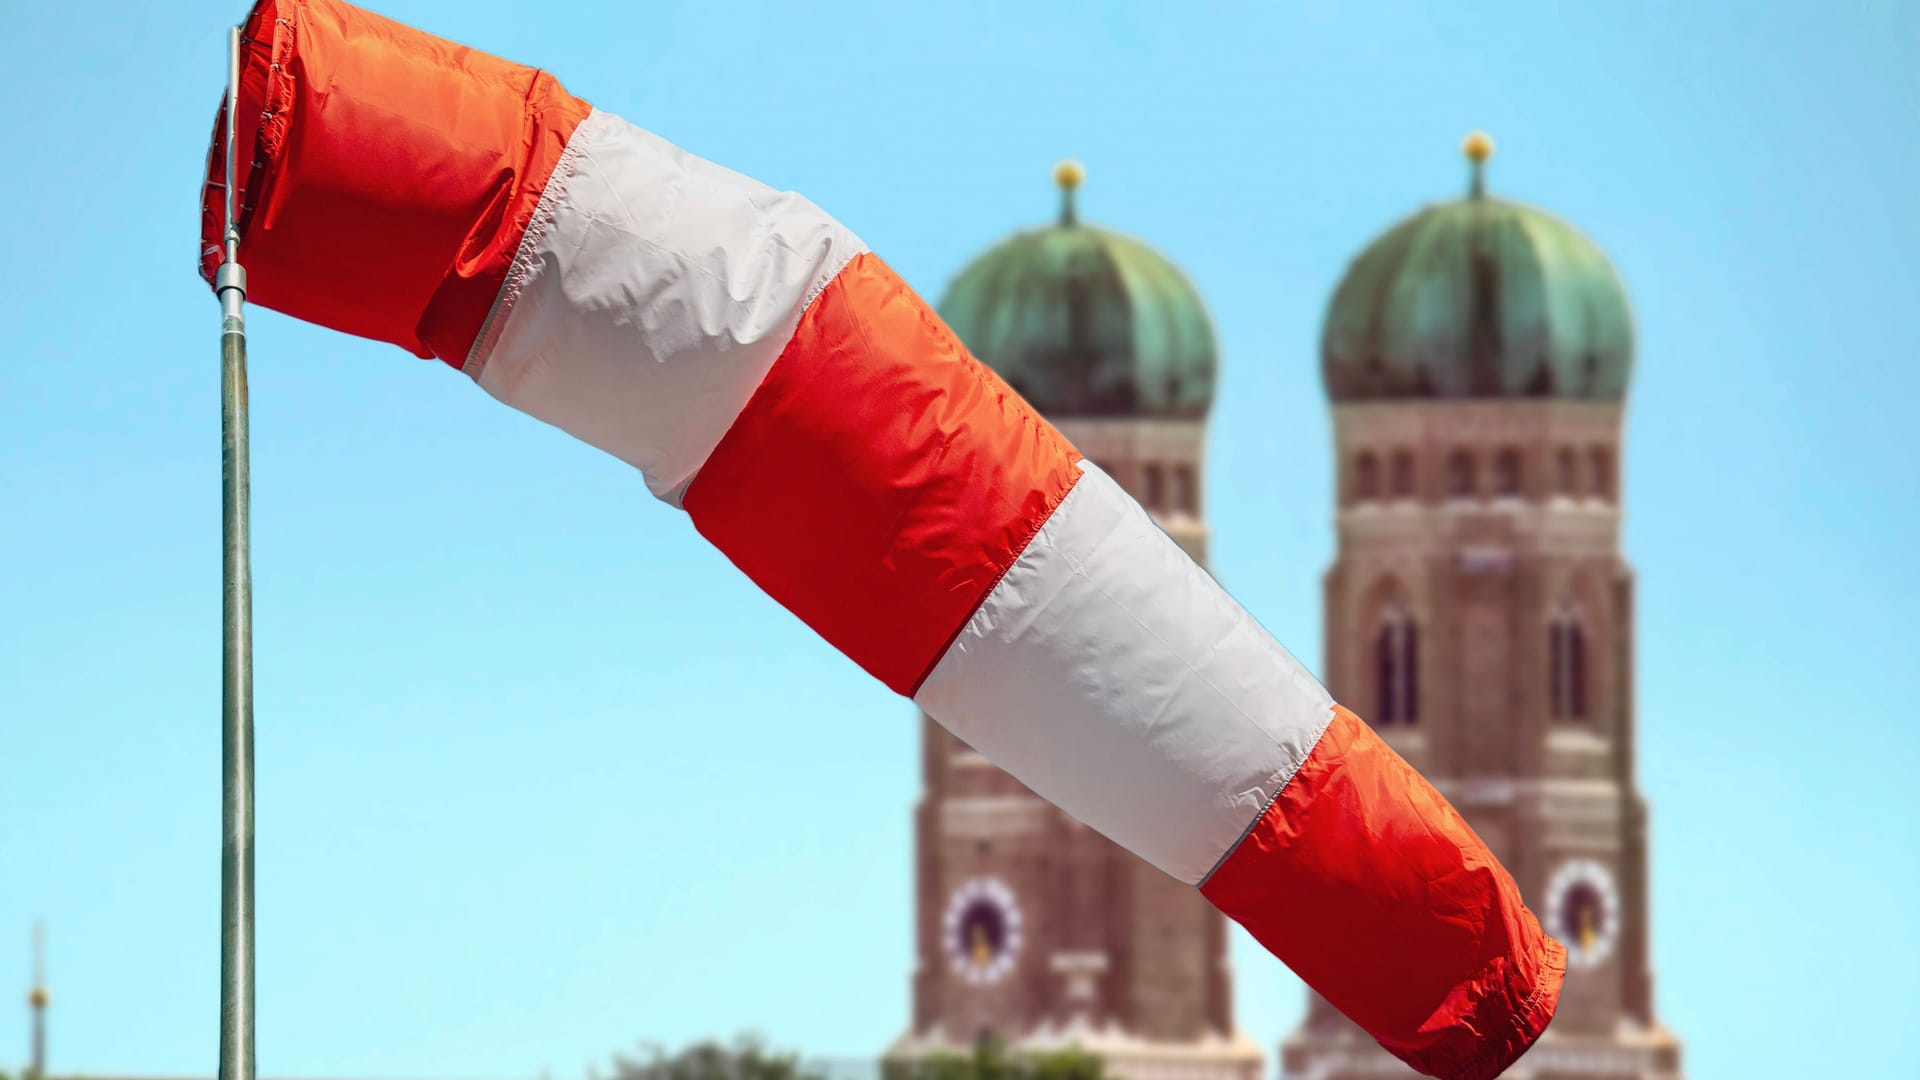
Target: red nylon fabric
x,y
387,175
880,480
1369,885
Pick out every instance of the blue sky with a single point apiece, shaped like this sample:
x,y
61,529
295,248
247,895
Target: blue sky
x,y
541,775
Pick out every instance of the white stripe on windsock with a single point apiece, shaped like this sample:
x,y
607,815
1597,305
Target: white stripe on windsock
x,y
650,296
1111,672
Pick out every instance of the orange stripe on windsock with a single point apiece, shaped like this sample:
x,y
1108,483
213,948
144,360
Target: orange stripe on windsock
x,y
881,479
1369,885
389,176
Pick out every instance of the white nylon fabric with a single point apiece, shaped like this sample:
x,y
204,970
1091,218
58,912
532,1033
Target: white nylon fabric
x,y
650,296
1113,676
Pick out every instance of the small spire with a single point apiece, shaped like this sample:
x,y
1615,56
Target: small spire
x,y
1068,174
1478,147
37,997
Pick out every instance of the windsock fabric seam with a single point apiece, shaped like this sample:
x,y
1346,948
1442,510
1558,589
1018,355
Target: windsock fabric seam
x,y
523,256
1079,468
275,114
1495,1059
676,497
1280,789
1187,662
813,294
262,150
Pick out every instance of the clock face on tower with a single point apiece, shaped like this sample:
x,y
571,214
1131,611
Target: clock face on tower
x,y
1583,911
982,931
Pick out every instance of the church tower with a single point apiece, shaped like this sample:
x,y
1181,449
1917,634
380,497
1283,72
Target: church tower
x,y
1479,613
1031,926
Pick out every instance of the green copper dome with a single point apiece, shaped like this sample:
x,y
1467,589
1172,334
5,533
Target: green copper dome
x,y
1479,298
1086,322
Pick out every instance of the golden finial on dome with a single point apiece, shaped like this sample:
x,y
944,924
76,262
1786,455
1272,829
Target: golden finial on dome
x,y
1069,174
1478,147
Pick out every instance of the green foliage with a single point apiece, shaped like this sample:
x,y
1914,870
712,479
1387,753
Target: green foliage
x,y
1072,1063
992,1060
746,1059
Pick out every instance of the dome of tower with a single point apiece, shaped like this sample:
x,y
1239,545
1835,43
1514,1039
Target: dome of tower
x,y
1086,322
1479,298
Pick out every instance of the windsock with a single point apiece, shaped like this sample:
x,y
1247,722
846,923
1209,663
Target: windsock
x,y
821,426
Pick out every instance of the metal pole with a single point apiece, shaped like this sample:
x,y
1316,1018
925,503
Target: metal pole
x,y
236,698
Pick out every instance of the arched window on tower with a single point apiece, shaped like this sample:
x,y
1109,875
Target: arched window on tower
x,y
1400,474
1186,491
1463,479
1153,486
1600,480
1366,476
1567,665
1506,472
1566,479
1396,662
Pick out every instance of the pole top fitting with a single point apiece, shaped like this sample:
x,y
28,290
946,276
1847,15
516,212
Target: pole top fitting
x,y
230,275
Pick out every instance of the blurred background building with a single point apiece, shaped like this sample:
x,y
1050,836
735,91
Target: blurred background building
x,y
1479,614
1030,926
